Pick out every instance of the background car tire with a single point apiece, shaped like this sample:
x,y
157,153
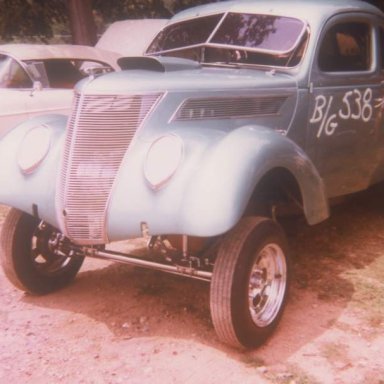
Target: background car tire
x,y
250,282
26,258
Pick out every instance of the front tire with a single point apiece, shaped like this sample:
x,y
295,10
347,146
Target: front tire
x,y
27,258
250,282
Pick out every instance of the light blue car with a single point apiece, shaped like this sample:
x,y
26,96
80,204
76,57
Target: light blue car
x,y
239,112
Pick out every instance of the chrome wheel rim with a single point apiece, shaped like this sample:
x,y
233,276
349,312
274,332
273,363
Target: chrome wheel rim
x,y
267,285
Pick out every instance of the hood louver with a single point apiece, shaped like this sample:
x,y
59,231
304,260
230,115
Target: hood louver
x,y
229,107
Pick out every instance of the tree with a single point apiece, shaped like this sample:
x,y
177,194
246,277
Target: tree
x,y
82,22
39,20
30,19
115,10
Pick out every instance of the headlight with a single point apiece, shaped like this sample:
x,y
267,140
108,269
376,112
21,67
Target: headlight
x,y
33,148
163,159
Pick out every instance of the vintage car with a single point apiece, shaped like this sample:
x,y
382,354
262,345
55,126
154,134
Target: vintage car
x,y
37,78
239,112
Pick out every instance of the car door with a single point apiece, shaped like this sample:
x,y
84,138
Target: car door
x,y
15,90
13,108
56,91
379,105
49,100
343,115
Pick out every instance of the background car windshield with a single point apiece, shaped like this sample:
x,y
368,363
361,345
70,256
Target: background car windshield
x,y
64,73
12,75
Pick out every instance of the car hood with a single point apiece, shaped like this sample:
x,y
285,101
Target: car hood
x,y
148,74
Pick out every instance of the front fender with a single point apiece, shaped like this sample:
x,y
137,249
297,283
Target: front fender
x,y
206,197
210,191
32,193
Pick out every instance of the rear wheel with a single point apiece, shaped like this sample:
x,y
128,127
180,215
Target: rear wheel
x,y
250,282
28,257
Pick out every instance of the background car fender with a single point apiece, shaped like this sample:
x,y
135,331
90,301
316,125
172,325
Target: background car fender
x,y
33,193
220,195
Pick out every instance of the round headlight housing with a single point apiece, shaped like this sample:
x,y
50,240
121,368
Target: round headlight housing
x,y
163,158
34,148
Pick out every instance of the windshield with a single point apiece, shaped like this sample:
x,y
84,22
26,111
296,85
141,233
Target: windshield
x,y
12,75
234,38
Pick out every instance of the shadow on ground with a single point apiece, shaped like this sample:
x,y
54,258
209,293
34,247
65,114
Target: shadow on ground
x,y
136,303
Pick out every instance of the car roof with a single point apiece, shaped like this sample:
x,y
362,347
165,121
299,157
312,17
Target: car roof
x,y
25,52
309,10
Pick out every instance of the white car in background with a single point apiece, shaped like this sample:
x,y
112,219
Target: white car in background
x,y
130,37
39,79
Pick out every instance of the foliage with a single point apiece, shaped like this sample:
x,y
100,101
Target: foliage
x,y
114,10
21,19
39,20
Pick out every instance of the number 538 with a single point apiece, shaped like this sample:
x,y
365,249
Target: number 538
x,y
357,105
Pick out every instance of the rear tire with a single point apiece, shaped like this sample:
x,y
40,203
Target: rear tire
x,y
250,282
27,258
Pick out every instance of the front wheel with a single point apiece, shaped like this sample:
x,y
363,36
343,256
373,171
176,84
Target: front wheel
x,y
250,282
28,257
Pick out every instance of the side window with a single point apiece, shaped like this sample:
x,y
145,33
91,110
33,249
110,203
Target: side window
x,y
346,47
62,73
36,70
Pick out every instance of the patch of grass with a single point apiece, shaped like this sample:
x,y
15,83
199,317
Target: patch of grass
x,y
332,288
376,321
369,290
335,352
252,361
293,375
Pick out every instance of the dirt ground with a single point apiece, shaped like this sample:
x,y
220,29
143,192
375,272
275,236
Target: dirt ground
x,y
119,324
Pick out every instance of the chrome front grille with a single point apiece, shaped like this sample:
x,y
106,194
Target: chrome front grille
x,y
99,133
229,107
